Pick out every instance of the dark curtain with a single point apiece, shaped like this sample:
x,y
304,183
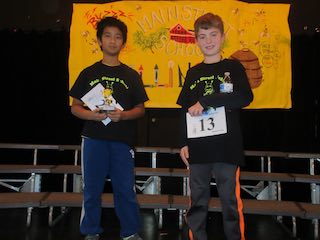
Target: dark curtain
x,y
34,85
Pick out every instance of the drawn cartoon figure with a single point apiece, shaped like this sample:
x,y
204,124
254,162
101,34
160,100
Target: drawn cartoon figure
x,y
208,89
106,95
221,79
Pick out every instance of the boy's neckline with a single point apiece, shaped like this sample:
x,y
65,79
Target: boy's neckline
x,y
213,62
210,63
110,65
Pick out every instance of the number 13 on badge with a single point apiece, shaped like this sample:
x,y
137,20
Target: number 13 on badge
x,y
210,123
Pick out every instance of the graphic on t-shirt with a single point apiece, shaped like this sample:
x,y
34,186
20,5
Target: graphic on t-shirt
x,y
208,88
109,82
109,88
108,99
207,82
200,80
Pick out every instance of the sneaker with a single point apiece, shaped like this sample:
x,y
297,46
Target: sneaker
x,y
92,237
133,237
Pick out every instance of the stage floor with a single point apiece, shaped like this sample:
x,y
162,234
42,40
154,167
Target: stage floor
x,y
13,227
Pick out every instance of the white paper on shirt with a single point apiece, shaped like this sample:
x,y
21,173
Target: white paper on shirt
x,y
210,123
94,98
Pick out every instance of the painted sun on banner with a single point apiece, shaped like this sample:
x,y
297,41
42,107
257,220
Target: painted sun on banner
x,y
161,45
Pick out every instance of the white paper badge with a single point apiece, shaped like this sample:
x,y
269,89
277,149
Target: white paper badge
x,y
210,123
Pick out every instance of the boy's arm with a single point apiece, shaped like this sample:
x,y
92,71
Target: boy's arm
x,y
235,100
183,128
184,154
184,151
134,113
238,99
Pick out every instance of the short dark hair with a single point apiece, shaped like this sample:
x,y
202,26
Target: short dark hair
x,y
112,22
207,21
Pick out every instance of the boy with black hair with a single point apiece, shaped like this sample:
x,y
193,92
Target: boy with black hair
x,y
213,93
107,145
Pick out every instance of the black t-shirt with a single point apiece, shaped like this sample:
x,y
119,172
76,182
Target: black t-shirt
x,y
128,91
203,84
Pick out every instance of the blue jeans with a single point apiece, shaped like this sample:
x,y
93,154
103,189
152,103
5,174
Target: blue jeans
x,y
101,159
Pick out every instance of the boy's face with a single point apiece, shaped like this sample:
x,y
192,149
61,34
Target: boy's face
x,y
111,41
210,41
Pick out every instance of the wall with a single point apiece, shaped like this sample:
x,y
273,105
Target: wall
x,y
34,42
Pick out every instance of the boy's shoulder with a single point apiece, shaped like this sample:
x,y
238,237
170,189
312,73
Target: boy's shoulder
x,y
195,67
128,68
232,61
92,67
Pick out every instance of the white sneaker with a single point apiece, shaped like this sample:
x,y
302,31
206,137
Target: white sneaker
x,y
133,237
92,237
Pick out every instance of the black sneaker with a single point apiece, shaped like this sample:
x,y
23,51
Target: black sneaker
x,y
92,237
185,231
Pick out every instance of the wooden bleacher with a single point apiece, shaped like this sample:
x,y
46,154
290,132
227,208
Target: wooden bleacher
x,y
151,201
162,172
274,206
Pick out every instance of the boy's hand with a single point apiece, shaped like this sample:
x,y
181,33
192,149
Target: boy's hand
x,y
184,154
115,115
196,109
97,115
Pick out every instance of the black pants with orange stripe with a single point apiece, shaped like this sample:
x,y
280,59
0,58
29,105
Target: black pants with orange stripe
x,y
227,180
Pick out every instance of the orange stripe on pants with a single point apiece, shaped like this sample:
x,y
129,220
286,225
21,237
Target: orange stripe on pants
x,y
240,204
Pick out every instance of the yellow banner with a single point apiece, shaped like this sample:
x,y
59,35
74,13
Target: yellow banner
x,y
161,44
